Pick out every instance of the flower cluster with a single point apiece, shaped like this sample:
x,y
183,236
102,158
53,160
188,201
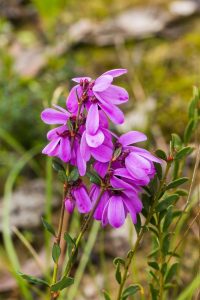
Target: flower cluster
x,y
84,137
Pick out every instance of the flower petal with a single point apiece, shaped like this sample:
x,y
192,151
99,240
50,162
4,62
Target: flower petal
x,y
84,148
83,201
69,205
95,140
146,154
131,209
101,168
65,150
79,79
137,166
132,137
100,208
104,220
52,116
81,163
72,101
116,212
92,121
53,133
102,153
51,147
112,111
121,184
114,95
102,83
115,72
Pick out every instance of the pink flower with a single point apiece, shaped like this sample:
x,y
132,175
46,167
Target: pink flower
x,y
78,197
99,93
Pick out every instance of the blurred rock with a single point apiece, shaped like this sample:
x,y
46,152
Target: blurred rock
x,y
184,8
27,205
133,23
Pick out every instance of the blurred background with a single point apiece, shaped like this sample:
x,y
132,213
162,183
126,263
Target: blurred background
x,y
43,44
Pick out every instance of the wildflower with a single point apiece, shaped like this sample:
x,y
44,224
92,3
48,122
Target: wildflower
x,y
98,94
78,197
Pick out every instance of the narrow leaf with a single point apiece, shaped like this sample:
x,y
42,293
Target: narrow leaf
x,y
33,280
57,166
183,152
48,227
56,252
62,284
106,295
130,291
171,272
176,183
164,204
154,265
118,275
70,243
74,175
161,154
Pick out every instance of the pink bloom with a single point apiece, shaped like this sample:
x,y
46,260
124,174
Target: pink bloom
x,y
99,93
78,197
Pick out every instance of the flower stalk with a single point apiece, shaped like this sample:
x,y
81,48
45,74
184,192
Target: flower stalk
x,y
143,230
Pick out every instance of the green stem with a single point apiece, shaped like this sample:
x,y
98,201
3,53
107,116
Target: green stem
x,y
58,238
132,252
83,230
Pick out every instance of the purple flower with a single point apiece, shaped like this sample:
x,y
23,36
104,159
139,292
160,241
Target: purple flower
x,y
64,143
99,94
137,163
78,197
114,205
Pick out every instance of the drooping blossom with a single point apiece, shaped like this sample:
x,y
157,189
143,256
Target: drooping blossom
x,y
99,94
129,171
78,197
116,203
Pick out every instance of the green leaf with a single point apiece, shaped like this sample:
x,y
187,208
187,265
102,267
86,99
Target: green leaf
x,y
188,131
164,268
70,243
62,284
62,176
48,227
57,166
154,265
70,125
153,252
154,292
176,183
164,204
166,244
118,275
176,141
33,280
117,153
168,219
56,252
74,175
138,224
161,154
94,177
117,260
171,272
183,152
106,295
130,291
158,170
182,192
